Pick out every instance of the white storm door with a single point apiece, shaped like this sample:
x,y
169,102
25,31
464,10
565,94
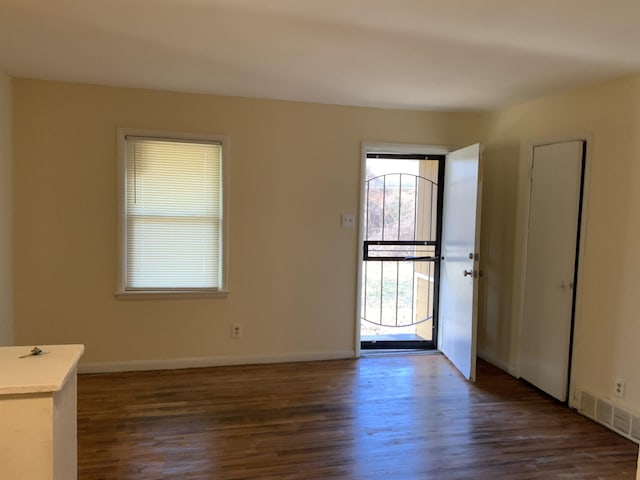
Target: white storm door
x,y
459,258
554,212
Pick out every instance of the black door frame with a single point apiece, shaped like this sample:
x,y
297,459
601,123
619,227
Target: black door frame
x,y
413,344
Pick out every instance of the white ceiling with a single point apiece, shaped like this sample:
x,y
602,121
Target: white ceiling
x,y
418,54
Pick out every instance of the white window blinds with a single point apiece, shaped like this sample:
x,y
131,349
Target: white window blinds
x,y
173,214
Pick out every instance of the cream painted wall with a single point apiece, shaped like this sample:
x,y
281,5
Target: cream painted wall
x,y
608,321
6,212
294,168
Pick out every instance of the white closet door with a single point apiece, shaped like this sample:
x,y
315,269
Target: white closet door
x,y
545,335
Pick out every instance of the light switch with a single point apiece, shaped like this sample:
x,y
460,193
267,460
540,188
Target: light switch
x,y
348,220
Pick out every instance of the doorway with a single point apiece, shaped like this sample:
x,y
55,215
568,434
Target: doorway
x,y
402,223
437,241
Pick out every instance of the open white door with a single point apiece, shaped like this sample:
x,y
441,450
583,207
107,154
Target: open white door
x,y
459,258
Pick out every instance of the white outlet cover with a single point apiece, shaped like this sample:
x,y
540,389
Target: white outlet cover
x,y
619,387
236,330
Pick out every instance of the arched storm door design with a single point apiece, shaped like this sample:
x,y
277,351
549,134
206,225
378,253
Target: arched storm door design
x,y
402,223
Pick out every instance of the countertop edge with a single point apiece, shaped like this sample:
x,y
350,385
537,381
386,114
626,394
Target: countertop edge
x,y
16,390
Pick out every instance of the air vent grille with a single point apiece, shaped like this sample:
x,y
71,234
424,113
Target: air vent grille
x,y
604,412
610,415
622,421
587,405
635,428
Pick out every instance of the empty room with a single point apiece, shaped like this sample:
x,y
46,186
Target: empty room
x,y
295,239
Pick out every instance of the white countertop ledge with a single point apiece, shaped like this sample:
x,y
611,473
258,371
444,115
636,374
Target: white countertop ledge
x,y
45,373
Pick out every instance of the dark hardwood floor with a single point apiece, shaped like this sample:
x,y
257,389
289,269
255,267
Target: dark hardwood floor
x,y
387,417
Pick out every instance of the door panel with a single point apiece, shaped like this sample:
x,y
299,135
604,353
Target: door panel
x,y
460,250
545,334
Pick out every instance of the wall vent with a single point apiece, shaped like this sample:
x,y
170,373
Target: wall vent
x,y
635,428
604,411
622,421
587,405
615,418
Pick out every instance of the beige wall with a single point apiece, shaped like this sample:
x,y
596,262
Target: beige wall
x,y
294,168
6,213
608,320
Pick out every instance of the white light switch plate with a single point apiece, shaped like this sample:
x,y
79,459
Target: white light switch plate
x,y
348,220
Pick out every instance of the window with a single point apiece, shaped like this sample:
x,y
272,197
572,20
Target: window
x,y
172,237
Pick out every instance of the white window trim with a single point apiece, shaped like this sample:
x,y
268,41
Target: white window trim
x,y
221,292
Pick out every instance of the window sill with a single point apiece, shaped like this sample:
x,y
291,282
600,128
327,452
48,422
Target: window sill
x,y
170,294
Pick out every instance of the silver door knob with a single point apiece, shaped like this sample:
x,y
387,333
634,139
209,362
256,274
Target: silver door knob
x,y
468,273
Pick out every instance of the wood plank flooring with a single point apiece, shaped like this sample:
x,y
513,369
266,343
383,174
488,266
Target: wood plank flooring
x,y
388,417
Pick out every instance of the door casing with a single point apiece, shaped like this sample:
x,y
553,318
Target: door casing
x,y
379,147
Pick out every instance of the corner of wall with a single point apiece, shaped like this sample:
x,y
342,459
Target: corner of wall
x,y
6,212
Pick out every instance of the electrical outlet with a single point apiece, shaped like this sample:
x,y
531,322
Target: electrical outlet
x,y
619,387
236,330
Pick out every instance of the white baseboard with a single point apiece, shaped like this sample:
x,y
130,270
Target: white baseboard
x,y
504,366
196,362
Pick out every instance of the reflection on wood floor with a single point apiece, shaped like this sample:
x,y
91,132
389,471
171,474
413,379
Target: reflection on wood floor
x,y
384,417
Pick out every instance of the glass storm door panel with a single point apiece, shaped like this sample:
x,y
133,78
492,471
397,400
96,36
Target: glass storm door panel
x,y
401,247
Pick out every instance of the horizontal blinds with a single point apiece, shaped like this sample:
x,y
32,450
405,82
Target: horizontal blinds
x,y
174,214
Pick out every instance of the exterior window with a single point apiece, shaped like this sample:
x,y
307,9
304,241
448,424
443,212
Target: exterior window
x,y
173,222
